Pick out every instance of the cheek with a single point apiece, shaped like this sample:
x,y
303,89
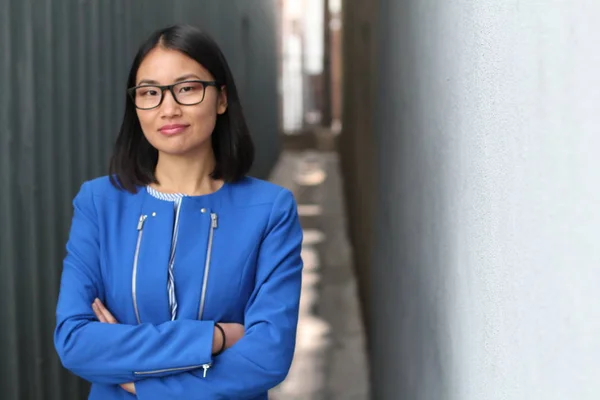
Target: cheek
x,y
205,120
147,124
146,120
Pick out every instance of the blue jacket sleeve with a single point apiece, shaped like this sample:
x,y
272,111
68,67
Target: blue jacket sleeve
x,y
262,358
118,353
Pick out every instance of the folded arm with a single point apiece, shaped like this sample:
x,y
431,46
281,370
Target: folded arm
x,y
107,353
262,358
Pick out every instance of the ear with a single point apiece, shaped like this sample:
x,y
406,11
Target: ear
x,y
222,101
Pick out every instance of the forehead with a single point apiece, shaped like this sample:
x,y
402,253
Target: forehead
x,y
165,65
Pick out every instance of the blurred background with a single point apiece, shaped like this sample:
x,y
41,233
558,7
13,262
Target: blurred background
x,y
443,155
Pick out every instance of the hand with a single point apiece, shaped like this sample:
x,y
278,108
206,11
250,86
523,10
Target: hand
x,y
102,313
233,332
106,317
129,387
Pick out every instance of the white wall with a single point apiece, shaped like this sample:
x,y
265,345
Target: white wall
x,y
487,270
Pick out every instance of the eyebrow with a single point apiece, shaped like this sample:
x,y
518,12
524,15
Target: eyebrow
x,y
180,79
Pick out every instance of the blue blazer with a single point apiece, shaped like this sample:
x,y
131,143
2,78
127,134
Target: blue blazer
x,y
237,260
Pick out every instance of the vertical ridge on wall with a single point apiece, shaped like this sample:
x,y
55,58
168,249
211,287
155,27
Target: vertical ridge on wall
x,y
8,312
63,70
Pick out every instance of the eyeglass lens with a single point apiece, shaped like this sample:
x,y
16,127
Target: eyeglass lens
x,y
187,93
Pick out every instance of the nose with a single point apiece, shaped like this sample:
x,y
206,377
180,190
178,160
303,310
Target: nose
x,y
169,107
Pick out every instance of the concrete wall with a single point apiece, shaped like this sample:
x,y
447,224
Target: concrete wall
x,y
356,145
485,267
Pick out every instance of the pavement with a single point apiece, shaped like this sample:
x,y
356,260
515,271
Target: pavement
x,y
330,360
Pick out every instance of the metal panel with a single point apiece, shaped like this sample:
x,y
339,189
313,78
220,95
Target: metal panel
x,y
63,65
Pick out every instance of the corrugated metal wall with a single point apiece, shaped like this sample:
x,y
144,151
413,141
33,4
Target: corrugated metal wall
x,y
63,65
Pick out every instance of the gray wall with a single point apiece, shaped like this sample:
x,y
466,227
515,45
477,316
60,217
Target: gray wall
x,y
486,267
63,67
356,145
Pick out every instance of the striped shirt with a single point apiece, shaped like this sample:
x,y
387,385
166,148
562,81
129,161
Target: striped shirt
x,y
176,199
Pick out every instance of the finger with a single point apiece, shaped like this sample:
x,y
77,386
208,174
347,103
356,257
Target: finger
x,y
129,387
107,315
98,313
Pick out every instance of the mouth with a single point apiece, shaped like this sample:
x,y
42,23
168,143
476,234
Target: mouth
x,y
172,129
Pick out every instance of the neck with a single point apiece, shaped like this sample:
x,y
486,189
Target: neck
x,y
189,175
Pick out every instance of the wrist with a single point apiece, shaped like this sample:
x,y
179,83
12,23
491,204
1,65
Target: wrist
x,y
219,340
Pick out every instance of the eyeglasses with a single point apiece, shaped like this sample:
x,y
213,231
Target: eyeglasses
x,y
186,93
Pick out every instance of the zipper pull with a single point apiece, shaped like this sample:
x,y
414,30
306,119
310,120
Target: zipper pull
x,y
205,367
141,222
213,217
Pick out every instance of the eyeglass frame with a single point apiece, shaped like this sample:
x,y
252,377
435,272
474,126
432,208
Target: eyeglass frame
x,y
131,92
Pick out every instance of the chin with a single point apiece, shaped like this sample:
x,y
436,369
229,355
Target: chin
x,y
175,151
181,149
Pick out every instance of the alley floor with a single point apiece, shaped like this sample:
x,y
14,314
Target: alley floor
x,y
330,360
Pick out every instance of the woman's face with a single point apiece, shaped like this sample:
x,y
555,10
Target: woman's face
x,y
173,128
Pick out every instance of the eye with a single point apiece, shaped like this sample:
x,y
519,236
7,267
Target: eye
x,y
147,92
189,87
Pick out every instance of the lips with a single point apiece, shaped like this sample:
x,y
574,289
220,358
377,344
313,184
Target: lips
x,y
172,129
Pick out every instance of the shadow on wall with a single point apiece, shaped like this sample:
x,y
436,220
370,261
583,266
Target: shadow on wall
x,y
356,143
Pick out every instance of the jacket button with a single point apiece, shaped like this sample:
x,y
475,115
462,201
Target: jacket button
x,y
203,210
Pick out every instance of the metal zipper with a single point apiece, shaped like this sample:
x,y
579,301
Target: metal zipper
x,y
140,228
213,226
160,371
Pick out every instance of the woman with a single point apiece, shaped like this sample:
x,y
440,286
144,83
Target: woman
x,y
182,276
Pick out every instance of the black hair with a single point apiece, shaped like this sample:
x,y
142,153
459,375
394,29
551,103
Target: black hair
x,y
134,159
